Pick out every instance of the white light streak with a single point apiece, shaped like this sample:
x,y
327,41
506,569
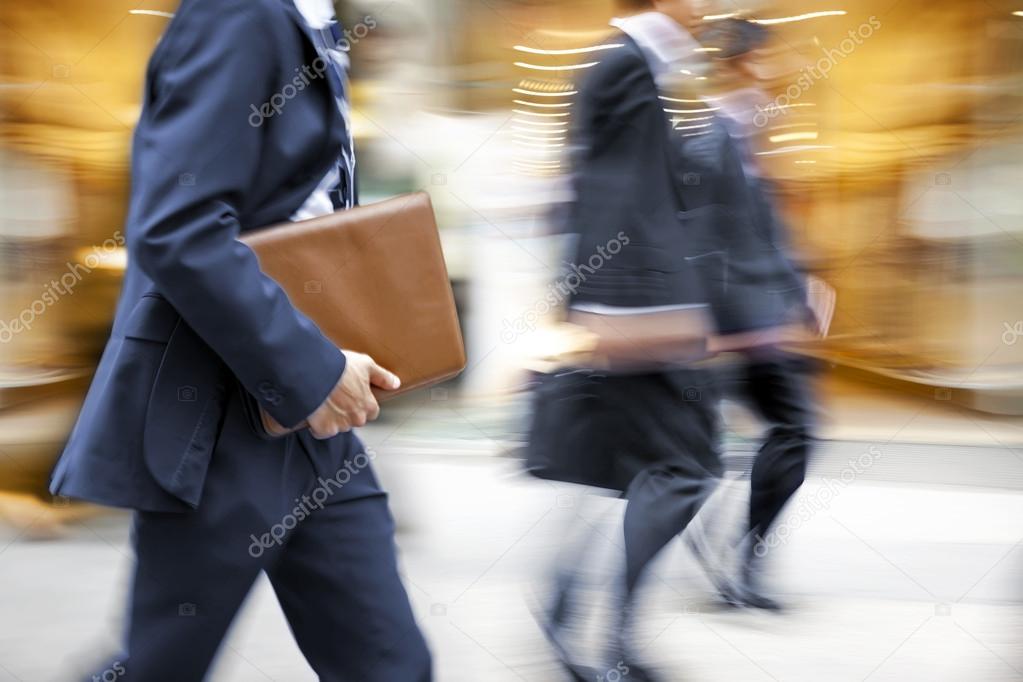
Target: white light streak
x,y
538,104
152,13
575,50
800,17
523,91
568,67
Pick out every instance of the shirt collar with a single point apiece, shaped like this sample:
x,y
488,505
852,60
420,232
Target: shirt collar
x,y
317,13
665,43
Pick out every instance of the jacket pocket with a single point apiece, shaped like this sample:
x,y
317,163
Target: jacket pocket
x,y
152,319
186,397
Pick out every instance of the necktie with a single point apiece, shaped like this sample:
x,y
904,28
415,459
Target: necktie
x,y
332,48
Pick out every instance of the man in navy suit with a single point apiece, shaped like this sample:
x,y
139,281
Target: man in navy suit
x,y
202,338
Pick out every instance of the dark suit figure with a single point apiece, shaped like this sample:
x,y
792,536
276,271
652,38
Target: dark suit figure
x,y
754,287
651,434
201,338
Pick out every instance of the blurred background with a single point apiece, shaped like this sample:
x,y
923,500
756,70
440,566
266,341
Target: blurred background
x,y
895,139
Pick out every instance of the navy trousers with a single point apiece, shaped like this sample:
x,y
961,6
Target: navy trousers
x,y
312,516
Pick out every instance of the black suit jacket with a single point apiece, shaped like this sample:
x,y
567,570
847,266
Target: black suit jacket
x,y
623,180
734,237
694,229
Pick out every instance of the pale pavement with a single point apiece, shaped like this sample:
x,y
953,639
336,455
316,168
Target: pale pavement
x,y
890,581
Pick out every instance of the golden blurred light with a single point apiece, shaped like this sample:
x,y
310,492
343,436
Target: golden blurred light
x,y
801,17
809,124
790,106
115,259
792,137
795,149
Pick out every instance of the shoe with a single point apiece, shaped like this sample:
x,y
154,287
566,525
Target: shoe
x,y
712,561
757,600
552,618
619,663
748,584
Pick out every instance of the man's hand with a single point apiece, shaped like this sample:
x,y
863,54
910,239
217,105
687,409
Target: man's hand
x,y
352,402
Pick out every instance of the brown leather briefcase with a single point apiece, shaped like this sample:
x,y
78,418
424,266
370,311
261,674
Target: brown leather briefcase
x,y
373,279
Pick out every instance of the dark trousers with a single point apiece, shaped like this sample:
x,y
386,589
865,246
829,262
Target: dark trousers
x,y
661,431
666,446
777,387
661,503
325,539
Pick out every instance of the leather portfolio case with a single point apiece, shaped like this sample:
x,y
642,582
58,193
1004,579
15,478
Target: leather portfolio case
x,y
373,279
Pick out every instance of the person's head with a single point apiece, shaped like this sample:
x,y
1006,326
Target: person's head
x,y
736,42
682,11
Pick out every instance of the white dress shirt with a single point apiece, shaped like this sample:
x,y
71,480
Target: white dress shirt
x,y
317,14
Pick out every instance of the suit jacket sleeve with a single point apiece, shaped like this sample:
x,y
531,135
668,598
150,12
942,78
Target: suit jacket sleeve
x,y
194,159
610,99
749,201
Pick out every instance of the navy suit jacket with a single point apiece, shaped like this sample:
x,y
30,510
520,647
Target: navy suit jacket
x,y
196,317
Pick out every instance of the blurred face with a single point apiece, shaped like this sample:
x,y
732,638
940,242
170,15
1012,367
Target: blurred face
x,y
685,12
